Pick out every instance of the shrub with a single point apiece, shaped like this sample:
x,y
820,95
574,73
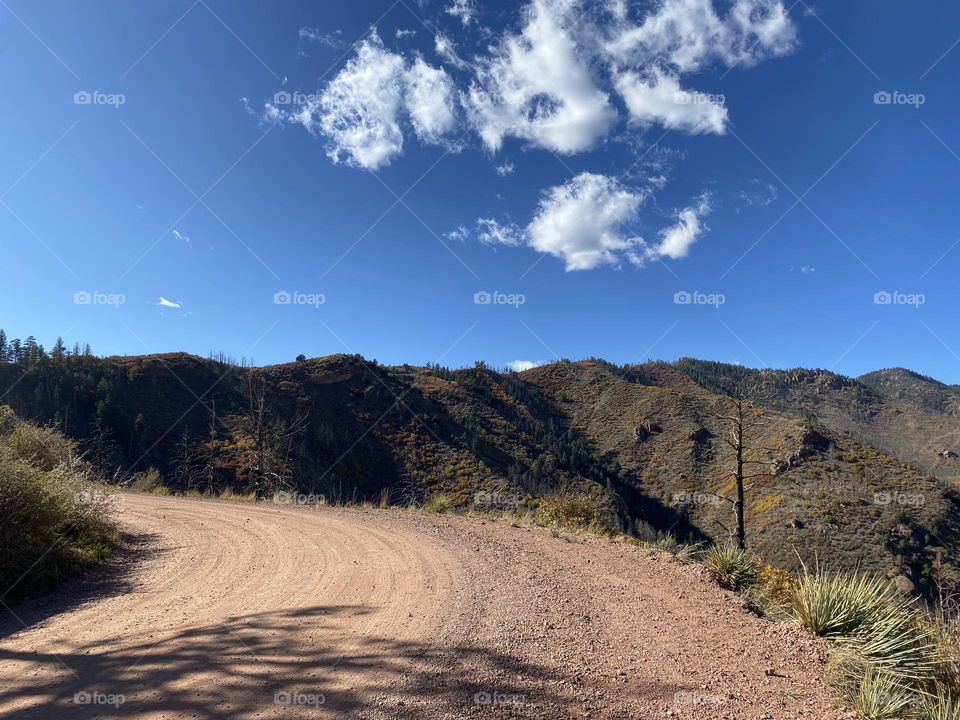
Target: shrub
x,y
942,706
684,552
149,481
56,515
880,696
732,567
869,615
438,503
576,511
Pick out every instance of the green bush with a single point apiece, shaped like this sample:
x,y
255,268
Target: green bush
x,y
880,696
55,514
576,511
871,616
438,503
731,567
149,481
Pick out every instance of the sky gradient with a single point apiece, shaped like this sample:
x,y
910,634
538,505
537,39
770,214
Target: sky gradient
x,y
758,182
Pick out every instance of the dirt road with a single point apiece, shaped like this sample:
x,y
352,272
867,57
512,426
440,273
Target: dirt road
x,y
233,610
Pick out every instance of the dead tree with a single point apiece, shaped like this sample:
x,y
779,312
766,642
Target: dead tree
x,y
743,422
271,469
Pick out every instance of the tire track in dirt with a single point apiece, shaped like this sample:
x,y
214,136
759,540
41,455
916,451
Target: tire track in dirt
x,y
248,610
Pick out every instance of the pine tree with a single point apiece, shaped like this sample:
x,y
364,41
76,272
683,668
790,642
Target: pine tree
x,y
59,350
4,350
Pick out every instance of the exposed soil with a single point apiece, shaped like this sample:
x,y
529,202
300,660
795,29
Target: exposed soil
x,y
257,611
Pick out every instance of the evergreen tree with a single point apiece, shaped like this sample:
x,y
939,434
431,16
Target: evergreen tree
x,y
59,350
4,350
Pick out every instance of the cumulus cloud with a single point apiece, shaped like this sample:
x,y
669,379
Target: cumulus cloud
x,y
581,222
688,34
675,241
521,365
169,303
537,87
659,99
505,169
430,101
547,83
362,110
359,112
491,232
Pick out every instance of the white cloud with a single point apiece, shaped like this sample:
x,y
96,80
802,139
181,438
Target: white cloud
x,y
446,49
536,86
521,365
459,233
675,241
759,193
180,236
359,112
331,40
505,169
491,232
547,83
402,33
430,101
659,99
582,221
362,110
688,34
462,9
169,303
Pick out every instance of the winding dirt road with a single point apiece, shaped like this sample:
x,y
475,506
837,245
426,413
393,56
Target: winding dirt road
x,y
230,610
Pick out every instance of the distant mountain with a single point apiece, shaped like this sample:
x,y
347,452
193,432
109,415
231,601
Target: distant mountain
x,y
850,470
910,416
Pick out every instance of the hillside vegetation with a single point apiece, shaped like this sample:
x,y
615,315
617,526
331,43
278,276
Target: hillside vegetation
x,y
645,444
54,514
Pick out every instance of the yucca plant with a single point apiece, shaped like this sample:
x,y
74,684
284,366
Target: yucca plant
x,y
837,604
881,696
942,705
731,567
684,552
869,615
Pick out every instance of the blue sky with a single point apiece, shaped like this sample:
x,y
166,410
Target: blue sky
x,y
626,180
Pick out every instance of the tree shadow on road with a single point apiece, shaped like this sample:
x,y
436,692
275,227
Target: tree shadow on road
x,y
296,663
